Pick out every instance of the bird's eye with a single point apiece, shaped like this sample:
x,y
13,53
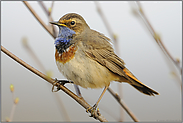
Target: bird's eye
x,y
72,22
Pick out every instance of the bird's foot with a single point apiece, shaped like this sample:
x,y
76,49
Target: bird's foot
x,y
92,110
59,82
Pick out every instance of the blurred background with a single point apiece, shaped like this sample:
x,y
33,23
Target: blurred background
x,y
137,48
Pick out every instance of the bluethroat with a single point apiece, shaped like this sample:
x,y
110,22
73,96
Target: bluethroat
x,y
87,58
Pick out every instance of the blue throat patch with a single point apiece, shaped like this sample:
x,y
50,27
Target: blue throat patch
x,y
62,42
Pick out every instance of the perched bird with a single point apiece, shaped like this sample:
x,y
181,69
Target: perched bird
x,y
87,58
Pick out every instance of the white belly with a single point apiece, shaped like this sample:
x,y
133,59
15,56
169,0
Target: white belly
x,y
85,72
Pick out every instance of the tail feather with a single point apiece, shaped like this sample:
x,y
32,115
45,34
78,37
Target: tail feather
x,y
139,85
146,90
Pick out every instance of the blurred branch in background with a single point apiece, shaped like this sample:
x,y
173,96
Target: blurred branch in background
x,y
140,13
51,8
109,29
48,13
116,96
80,100
15,102
40,65
39,19
32,54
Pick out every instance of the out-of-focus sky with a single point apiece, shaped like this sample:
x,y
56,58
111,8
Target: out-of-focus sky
x,y
137,48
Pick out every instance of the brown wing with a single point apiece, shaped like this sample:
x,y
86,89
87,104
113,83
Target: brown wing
x,y
108,59
98,47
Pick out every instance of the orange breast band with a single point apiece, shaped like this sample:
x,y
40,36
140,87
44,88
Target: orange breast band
x,y
67,55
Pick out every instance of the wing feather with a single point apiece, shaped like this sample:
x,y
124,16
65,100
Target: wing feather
x,y
107,59
99,48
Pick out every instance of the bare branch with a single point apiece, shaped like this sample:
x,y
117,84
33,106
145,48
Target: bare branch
x,y
109,29
81,101
104,20
62,107
38,18
49,16
158,40
51,8
15,101
29,49
116,96
44,7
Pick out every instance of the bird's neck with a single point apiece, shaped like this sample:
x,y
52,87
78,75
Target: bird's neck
x,y
63,41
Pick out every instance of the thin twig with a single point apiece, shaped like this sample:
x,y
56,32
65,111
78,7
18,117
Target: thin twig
x,y
81,101
116,96
50,18
14,105
35,58
158,39
109,29
38,18
12,112
51,8
44,7
62,107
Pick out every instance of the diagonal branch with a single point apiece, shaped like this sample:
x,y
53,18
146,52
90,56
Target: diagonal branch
x,y
38,18
80,100
34,57
109,29
49,15
158,40
116,96
51,8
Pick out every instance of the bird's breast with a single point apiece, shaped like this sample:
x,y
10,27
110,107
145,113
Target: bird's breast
x,y
67,55
82,70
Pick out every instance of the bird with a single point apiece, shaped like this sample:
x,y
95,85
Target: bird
x,y
87,58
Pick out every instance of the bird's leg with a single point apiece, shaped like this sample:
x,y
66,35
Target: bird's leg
x,y
96,104
60,82
77,90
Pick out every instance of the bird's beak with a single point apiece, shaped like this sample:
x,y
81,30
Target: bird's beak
x,y
57,23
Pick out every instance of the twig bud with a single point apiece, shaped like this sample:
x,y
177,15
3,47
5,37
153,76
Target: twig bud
x,y
16,100
12,88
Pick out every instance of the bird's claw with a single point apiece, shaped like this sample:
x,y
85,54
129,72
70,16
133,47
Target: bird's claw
x,y
54,84
92,110
60,82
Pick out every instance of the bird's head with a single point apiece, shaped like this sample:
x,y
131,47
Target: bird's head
x,y
73,21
